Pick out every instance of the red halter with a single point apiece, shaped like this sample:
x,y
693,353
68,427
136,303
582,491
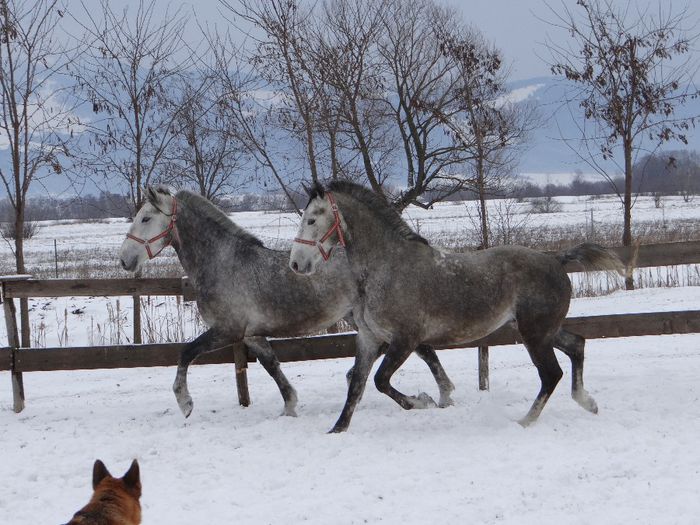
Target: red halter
x,y
336,226
171,228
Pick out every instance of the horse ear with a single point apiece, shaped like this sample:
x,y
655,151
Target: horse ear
x,y
132,478
151,195
318,189
306,189
99,472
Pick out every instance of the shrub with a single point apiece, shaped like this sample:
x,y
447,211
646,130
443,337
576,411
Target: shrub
x,y
545,205
8,230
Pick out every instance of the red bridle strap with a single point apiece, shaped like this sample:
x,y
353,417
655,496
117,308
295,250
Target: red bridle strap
x,y
335,227
171,231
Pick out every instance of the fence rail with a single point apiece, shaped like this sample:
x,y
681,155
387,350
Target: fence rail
x,y
18,360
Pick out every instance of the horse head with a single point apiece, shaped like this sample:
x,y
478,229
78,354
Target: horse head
x,y
153,229
321,228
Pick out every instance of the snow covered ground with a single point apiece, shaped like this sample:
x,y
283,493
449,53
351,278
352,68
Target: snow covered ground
x,y
637,461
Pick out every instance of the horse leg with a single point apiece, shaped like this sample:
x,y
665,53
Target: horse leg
x,y
203,343
427,354
263,351
542,355
380,351
367,348
446,387
572,345
395,356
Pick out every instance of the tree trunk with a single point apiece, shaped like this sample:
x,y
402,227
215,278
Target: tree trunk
x,y
482,204
627,228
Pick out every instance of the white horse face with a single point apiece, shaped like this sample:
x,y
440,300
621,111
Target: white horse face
x,y
152,219
320,229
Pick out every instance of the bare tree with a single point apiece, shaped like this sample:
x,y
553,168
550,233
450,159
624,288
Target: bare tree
x,y
423,81
127,72
281,59
362,141
205,153
355,77
251,107
37,117
489,126
632,69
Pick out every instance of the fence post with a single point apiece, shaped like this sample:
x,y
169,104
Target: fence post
x,y
137,319
483,368
240,356
13,343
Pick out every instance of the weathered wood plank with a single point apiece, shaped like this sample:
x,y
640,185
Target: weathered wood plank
x,y
648,255
13,341
240,354
5,359
90,287
310,348
116,356
483,368
137,319
604,326
334,346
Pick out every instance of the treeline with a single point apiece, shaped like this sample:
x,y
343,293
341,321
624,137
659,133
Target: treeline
x,y
42,208
663,173
110,205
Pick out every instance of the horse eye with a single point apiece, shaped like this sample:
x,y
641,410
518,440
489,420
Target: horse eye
x,y
146,219
311,221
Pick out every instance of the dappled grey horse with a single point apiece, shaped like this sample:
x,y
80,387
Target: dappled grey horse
x,y
245,292
410,293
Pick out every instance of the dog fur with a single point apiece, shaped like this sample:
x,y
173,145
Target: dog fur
x,y
115,501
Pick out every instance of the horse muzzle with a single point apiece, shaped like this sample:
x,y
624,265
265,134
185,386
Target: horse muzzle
x,y
130,266
302,268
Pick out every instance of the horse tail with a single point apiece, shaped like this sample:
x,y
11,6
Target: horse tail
x,y
592,257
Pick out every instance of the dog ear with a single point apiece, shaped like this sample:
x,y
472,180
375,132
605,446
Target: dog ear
x,y
99,472
132,478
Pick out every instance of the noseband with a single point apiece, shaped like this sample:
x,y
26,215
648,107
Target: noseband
x,y
170,229
336,226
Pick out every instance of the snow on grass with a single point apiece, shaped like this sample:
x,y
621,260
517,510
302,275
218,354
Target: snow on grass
x,y
637,461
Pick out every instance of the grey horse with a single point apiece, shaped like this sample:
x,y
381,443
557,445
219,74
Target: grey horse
x,y
409,293
245,292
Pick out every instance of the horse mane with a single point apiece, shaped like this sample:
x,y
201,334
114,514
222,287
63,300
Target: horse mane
x,y
210,212
379,205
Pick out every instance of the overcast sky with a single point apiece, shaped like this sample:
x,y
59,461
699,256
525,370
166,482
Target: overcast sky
x,y
515,26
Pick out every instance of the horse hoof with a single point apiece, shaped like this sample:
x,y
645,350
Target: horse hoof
x,y
526,421
586,401
186,406
445,401
289,411
423,400
337,429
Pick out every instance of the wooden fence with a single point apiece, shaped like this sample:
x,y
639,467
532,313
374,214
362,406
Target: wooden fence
x,y
18,360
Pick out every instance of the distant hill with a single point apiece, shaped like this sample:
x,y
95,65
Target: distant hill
x,y
547,153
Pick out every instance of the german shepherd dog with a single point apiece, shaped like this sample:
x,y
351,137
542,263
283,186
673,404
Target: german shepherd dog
x,y
115,500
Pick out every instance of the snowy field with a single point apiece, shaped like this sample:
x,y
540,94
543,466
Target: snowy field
x,y
637,461
101,240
